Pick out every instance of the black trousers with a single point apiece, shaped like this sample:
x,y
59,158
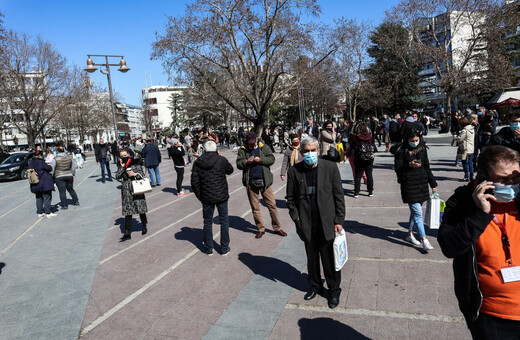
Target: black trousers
x,y
488,327
320,248
180,177
128,222
366,166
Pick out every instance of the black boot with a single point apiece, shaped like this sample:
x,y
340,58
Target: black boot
x,y
144,230
125,237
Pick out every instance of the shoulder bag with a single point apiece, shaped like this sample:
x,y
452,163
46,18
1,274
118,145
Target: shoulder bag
x,y
141,186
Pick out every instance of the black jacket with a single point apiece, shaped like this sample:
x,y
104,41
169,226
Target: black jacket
x,y
98,153
208,178
462,224
329,196
177,153
506,137
414,181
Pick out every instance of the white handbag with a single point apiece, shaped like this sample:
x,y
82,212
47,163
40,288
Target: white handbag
x,y
340,250
141,186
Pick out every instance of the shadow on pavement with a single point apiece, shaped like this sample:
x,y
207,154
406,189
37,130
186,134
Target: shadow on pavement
x,y
193,235
238,223
427,231
280,204
2,265
275,270
327,328
374,232
121,222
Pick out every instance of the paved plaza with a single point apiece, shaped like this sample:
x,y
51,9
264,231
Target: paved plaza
x,y
69,277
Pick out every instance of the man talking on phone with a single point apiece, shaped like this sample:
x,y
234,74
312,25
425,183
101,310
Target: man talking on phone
x,y
480,230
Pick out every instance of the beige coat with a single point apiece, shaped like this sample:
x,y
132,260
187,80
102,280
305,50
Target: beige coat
x,y
466,141
327,140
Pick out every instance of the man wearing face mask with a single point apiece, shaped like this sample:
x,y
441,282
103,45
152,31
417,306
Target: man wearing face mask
x,y
480,230
254,159
509,137
316,204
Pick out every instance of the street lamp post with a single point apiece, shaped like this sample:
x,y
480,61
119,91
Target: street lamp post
x,y
91,67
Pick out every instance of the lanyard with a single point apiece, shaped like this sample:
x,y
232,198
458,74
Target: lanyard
x,y
505,240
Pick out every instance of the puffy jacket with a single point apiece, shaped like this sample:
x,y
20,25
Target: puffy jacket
x,y
266,160
462,224
414,181
208,178
43,170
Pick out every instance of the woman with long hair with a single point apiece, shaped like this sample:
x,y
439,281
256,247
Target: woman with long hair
x,y
414,174
363,148
291,155
466,141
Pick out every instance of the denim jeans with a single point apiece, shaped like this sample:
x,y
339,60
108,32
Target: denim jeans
x,y
416,218
155,175
43,202
104,163
468,167
64,184
207,214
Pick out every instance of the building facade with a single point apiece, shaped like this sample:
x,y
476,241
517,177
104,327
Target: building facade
x,y
157,103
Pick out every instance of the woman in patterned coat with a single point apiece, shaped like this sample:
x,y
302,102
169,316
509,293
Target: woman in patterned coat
x,y
131,204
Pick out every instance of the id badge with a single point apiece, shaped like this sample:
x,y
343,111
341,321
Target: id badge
x,y
510,274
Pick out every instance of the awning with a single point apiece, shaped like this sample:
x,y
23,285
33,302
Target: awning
x,y
500,97
508,102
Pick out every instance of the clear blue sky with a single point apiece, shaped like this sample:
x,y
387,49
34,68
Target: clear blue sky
x,y
77,28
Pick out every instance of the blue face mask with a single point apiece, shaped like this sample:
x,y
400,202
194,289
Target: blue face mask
x,y
413,144
506,193
310,158
514,126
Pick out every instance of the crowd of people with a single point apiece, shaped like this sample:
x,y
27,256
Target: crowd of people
x,y
480,227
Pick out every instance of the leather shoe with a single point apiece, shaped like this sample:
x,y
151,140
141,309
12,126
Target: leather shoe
x,y
280,232
333,302
144,230
125,237
260,234
310,295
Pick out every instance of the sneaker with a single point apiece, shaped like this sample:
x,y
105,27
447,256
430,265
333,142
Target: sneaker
x,y
465,179
76,203
182,193
51,215
208,251
41,215
356,195
370,194
410,238
426,245
226,253
64,208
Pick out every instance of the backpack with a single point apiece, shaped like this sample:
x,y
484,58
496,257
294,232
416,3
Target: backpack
x,y
32,176
366,150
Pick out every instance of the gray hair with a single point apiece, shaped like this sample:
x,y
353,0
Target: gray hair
x,y
308,141
210,146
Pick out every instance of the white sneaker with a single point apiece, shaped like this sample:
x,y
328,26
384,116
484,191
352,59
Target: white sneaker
x,y
426,245
41,215
51,215
410,238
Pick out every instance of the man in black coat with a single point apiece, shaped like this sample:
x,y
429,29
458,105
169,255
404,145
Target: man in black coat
x,y
102,153
316,205
209,183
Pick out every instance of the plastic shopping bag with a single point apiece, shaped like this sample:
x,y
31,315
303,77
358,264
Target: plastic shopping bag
x,y
340,250
433,211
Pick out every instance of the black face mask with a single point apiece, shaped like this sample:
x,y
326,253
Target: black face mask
x,y
125,159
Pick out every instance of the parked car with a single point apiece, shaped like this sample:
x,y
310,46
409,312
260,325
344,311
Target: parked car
x,y
15,166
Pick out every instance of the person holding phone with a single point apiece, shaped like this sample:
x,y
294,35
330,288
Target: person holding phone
x,y
480,230
414,174
131,204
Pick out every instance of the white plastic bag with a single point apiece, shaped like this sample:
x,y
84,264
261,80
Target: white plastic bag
x,y
433,212
340,250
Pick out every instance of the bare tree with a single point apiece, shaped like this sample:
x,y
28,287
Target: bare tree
x,y
351,61
247,44
458,39
33,81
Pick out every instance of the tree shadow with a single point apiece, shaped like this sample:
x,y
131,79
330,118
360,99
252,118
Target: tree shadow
x,y
2,265
393,236
327,328
275,270
135,226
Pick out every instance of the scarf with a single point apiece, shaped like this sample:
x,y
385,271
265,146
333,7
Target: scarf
x,y
294,154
